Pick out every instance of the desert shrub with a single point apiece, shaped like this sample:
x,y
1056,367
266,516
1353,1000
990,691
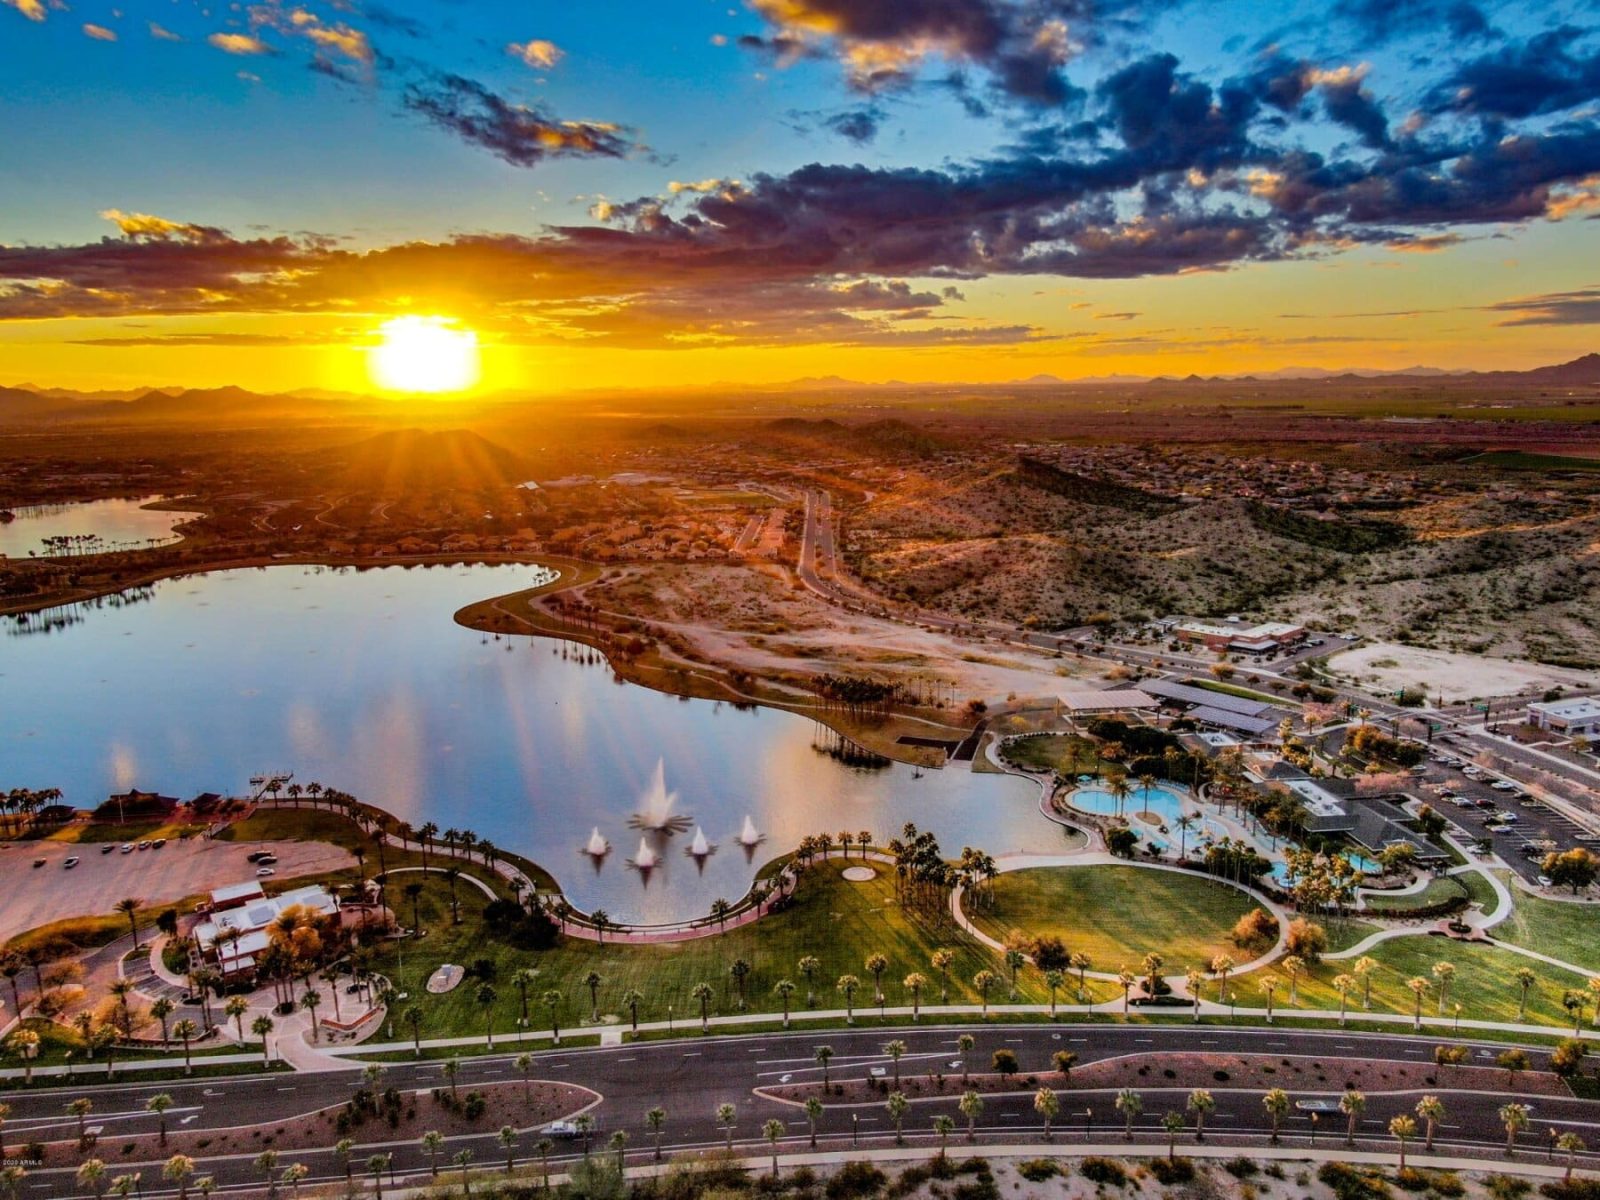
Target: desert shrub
x,y
1307,939
1576,1188
1241,1167
1353,1183
1104,1170
1413,1180
1171,1171
1257,928
1037,1170
855,1179
1507,1187
1447,1183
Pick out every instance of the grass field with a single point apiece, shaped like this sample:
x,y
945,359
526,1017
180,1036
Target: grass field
x,y
1116,915
838,922
1484,984
1062,752
1438,891
1565,931
1233,689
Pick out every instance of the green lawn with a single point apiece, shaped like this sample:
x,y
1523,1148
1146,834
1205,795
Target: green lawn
x,y
838,922
1485,981
1062,752
1567,931
1116,915
1445,887
1233,689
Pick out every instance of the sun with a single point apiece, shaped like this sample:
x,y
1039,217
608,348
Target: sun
x,y
424,354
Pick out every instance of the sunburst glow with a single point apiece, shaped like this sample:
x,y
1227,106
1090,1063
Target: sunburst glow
x,y
424,354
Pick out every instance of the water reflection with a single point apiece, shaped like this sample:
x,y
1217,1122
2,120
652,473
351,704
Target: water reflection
x,y
96,527
361,681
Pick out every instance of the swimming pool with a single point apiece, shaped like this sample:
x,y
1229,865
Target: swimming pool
x,y
1163,801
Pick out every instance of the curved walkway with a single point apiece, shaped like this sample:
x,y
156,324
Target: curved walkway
x,y
1100,858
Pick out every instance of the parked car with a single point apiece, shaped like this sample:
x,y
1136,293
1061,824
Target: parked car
x,y
255,856
70,863
265,873
127,847
1546,881
38,862
108,848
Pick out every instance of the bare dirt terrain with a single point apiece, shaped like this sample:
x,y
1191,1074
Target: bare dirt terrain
x,y
1388,666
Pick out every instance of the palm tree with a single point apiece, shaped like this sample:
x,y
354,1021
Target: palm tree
x,y
1443,973
877,964
894,1050
631,999
822,1055
186,1031
377,1164
413,892
1269,987
848,985
1525,980
463,1159
814,1112
964,1043
942,1125
703,993
522,979
1344,985
178,1169
309,1002
1081,964
1363,970
983,981
161,1009
1173,1123
1220,966
1419,987
656,1120
413,1017
592,981
1351,1104
727,1117
601,920
235,1009
92,1175
81,1108
784,988
293,1174
941,961
740,970
552,1001
343,1148
1292,966
267,1164
1515,1118
1130,1104
1431,1110
451,1069
1201,1103
809,966
1053,980
898,1106
433,1143
1569,1144
971,1105
129,907
1512,1061
1403,1129
486,997
508,1143
158,1104
451,875
772,1131
544,1146
914,983
1126,979
1047,1104
1276,1102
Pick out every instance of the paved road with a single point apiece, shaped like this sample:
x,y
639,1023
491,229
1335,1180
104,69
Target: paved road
x,y
690,1077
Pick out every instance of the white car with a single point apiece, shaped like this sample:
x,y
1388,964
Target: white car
x,y
1545,881
1503,785
879,1072
265,873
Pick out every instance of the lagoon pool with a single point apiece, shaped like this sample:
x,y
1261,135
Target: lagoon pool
x,y
1163,801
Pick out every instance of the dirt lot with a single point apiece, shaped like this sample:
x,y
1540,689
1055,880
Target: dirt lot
x,y
1456,677
50,893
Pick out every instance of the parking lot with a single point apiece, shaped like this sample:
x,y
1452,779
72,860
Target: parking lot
x,y
1475,804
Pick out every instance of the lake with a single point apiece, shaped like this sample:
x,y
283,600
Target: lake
x,y
111,524
361,680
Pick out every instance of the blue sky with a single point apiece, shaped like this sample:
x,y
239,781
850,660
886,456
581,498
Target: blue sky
x,y
957,158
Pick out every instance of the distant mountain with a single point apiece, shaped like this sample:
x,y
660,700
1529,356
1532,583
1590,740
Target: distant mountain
x,y
422,460
19,405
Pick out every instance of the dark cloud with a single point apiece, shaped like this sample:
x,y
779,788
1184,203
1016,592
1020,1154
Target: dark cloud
x,y
1387,20
522,135
1540,75
1581,307
1021,45
1349,103
859,125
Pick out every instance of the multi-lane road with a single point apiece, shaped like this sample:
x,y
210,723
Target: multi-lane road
x,y
690,1077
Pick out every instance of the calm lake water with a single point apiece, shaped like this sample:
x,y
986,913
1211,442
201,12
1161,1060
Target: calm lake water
x,y
118,525
361,680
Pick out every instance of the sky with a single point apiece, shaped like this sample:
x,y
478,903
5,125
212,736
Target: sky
x,y
631,194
